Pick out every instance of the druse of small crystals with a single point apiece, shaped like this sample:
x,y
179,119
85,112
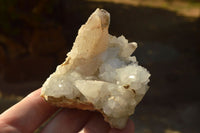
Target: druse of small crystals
x,y
100,70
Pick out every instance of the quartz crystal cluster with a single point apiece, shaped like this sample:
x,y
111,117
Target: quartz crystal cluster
x,y
99,74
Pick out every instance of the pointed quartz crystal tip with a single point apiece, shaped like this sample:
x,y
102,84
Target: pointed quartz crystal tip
x,y
103,15
89,40
99,74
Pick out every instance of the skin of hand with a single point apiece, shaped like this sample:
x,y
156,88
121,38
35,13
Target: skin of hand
x,y
27,115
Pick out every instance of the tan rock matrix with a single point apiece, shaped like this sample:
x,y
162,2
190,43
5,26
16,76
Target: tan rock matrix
x,y
99,73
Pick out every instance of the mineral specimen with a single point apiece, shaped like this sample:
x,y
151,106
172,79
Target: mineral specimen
x,y
99,74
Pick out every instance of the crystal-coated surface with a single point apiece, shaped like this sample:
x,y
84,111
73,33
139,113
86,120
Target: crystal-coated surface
x,y
100,70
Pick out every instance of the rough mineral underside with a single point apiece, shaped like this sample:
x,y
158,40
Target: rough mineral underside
x,y
99,74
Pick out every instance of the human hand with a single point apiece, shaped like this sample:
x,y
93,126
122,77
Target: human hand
x,y
27,115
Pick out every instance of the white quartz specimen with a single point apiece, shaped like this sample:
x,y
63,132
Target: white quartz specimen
x,y
100,70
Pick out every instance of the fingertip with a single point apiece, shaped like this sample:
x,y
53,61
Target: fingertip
x,y
130,128
31,112
67,120
96,124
